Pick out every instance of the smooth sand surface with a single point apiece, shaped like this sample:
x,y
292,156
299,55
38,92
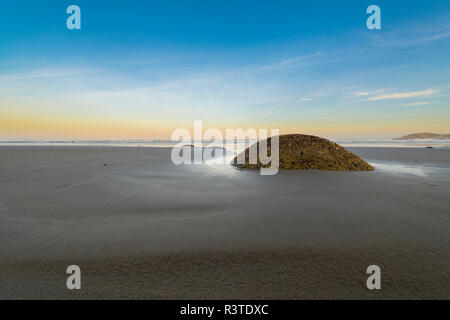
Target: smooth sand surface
x,y
140,227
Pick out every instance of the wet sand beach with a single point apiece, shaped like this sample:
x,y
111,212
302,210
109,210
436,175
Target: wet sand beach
x,y
141,227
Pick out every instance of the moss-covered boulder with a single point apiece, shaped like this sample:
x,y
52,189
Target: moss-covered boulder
x,y
298,152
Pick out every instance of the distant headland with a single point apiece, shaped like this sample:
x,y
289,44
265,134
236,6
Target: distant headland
x,y
424,135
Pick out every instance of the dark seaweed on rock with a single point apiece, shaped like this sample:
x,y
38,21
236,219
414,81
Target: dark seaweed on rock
x,y
298,151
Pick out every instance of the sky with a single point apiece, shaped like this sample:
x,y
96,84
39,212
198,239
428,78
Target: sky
x,y
141,69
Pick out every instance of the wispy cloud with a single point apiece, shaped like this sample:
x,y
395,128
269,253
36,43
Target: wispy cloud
x,y
437,36
305,99
403,95
301,61
351,87
418,33
415,104
49,74
362,93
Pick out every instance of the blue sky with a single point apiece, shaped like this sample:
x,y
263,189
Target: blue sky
x,y
140,69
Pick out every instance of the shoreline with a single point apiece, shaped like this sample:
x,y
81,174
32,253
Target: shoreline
x,y
436,144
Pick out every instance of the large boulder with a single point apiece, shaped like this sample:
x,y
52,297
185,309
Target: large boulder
x,y
298,151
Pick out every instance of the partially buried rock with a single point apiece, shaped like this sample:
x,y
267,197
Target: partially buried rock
x,y
298,151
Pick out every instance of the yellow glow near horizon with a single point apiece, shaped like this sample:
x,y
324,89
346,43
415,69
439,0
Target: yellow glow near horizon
x,y
27,125
60,127
24,122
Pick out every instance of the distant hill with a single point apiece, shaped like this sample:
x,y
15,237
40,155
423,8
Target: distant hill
x,y
424,135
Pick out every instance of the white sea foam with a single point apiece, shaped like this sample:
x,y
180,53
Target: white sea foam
x,y
229,145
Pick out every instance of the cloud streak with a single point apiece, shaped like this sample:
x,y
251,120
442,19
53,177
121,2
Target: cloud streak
x,y
414,104
403,95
